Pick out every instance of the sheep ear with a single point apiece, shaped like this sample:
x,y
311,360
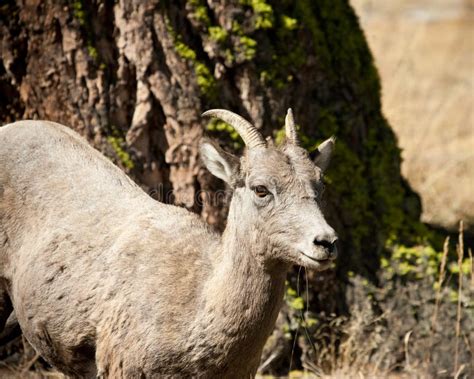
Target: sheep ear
x,y
322,155
219,162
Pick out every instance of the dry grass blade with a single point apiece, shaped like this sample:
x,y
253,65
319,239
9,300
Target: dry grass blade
x,y
460,251
406,341
459,372
439,285
472,267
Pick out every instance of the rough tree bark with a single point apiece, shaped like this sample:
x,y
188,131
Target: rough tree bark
x,y
134,76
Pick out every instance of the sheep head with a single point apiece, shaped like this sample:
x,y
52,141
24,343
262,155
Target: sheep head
x,y
276,193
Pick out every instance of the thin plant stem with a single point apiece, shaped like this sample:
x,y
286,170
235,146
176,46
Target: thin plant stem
x,y
439,285
460,251
472,267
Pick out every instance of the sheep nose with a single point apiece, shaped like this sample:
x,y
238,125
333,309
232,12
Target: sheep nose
x,y
328,243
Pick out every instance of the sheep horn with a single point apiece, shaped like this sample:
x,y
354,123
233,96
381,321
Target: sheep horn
x,y
247,131
290,128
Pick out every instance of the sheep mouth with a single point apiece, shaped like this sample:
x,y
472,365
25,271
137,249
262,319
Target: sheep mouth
x,y
319,262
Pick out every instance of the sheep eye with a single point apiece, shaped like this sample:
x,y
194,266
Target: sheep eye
x,y
261,191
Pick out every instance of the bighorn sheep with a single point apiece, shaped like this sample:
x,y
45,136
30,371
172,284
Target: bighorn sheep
x,y
107,282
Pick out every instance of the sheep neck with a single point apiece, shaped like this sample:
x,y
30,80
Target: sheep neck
x,y
241,299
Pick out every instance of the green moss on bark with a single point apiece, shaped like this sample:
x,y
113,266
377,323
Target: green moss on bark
x,y
204,78
313,56
372,201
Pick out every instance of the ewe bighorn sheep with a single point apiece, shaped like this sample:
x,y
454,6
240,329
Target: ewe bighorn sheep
x,y
107,282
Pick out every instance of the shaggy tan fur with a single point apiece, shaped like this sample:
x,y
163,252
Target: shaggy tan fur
x,y
107,282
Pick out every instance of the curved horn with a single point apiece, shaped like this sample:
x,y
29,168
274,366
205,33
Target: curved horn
x,y
290,128
247,131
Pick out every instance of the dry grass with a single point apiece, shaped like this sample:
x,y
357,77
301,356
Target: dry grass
x,y
424,51
421,327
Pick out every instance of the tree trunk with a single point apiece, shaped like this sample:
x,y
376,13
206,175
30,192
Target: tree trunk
x,y
134,76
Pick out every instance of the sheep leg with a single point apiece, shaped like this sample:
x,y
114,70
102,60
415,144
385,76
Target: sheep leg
x,y
10,331
5,308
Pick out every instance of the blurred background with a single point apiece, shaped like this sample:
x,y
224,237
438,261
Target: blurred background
x,y
393,80
424,51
